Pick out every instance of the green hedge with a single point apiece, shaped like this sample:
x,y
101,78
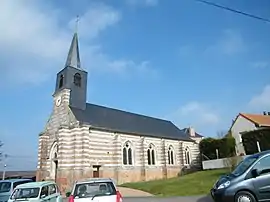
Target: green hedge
x,y
250,141
225,146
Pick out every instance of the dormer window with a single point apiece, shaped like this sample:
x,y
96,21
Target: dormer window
x,y
61,81
77,79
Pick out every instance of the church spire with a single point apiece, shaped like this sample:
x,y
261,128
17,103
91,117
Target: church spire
x,y
73,58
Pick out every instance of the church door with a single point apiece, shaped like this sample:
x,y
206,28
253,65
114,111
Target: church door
x,y
96,171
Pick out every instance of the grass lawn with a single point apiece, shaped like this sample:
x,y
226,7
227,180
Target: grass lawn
x,y
198,183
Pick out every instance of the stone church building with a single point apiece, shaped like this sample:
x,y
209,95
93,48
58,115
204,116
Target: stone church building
x,y
83,140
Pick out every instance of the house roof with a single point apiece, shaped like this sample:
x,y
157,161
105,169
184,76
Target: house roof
x,y
259,119
126,122
186,130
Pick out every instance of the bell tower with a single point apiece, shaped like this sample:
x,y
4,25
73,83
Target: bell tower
x,y
73,78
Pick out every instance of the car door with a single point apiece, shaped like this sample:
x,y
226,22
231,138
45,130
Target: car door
x,y
262,181
53,193
44,194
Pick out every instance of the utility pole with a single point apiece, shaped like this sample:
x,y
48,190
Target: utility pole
x,y
4,172
5,165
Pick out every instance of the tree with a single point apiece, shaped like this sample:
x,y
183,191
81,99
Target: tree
x,y
225,147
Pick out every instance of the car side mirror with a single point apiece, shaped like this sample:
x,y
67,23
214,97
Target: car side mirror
x,y
254,173
43,196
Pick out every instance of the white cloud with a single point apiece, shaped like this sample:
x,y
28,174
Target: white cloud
x,y
196,114
34,40
142,2
96,19
230,43
261,101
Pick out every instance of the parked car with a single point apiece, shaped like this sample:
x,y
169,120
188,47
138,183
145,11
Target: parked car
x,y
95,189
249,182
7,186
36,191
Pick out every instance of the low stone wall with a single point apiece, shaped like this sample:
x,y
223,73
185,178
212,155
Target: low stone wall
x,y
221,163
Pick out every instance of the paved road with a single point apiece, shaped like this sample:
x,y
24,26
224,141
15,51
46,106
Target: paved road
x,y
171,199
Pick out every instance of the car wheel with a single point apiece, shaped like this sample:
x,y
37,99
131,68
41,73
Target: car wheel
x,y
244,196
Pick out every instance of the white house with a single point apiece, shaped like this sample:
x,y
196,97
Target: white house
x,y
247,122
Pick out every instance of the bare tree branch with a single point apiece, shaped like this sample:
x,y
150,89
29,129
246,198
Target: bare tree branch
x,y
221,134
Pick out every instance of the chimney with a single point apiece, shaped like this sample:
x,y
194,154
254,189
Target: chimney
x,y
264,113
191,132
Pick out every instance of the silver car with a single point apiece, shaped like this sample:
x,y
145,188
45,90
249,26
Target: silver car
x,y
96,190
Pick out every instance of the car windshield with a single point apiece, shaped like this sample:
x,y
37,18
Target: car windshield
x,y
24,193
5,187
85,190
244,165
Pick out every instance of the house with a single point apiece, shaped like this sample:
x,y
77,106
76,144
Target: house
x,y
83,140
247,122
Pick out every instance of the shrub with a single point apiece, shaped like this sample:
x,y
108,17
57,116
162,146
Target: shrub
x,y
250,140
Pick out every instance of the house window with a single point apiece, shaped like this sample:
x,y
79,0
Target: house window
x,y
151,157
240,137
61,81
127,154
77,79
187,156
171,156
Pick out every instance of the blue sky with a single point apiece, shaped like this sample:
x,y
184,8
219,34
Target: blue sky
x,y
180,60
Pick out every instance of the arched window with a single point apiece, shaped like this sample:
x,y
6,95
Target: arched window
x,y
77,79
127,154
61,81
151,157
171,156
187,156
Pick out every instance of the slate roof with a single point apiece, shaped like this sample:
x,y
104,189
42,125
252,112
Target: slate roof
x,y
73,58
126,122
186,130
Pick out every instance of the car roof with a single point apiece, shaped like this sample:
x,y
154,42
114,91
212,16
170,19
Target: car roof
x,y
92,180
260,154
16,180
35,184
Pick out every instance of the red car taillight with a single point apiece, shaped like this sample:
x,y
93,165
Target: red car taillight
x,y
118,196
71,198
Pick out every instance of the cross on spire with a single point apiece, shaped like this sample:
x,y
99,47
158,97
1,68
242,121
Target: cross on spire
x,y
77,23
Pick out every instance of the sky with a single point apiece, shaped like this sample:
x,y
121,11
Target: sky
x,y
184,61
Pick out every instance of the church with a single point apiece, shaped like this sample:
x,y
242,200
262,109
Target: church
x,y
83,140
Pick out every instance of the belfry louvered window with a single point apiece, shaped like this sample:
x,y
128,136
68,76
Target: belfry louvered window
x,y
77,79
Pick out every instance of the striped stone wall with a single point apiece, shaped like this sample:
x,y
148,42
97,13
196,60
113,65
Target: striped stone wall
x,y
80,147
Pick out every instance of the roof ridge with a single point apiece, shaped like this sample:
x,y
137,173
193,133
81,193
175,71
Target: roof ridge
x,y
137,114
252,114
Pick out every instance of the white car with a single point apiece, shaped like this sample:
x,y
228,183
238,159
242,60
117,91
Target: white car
x,y
45,191
95,190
